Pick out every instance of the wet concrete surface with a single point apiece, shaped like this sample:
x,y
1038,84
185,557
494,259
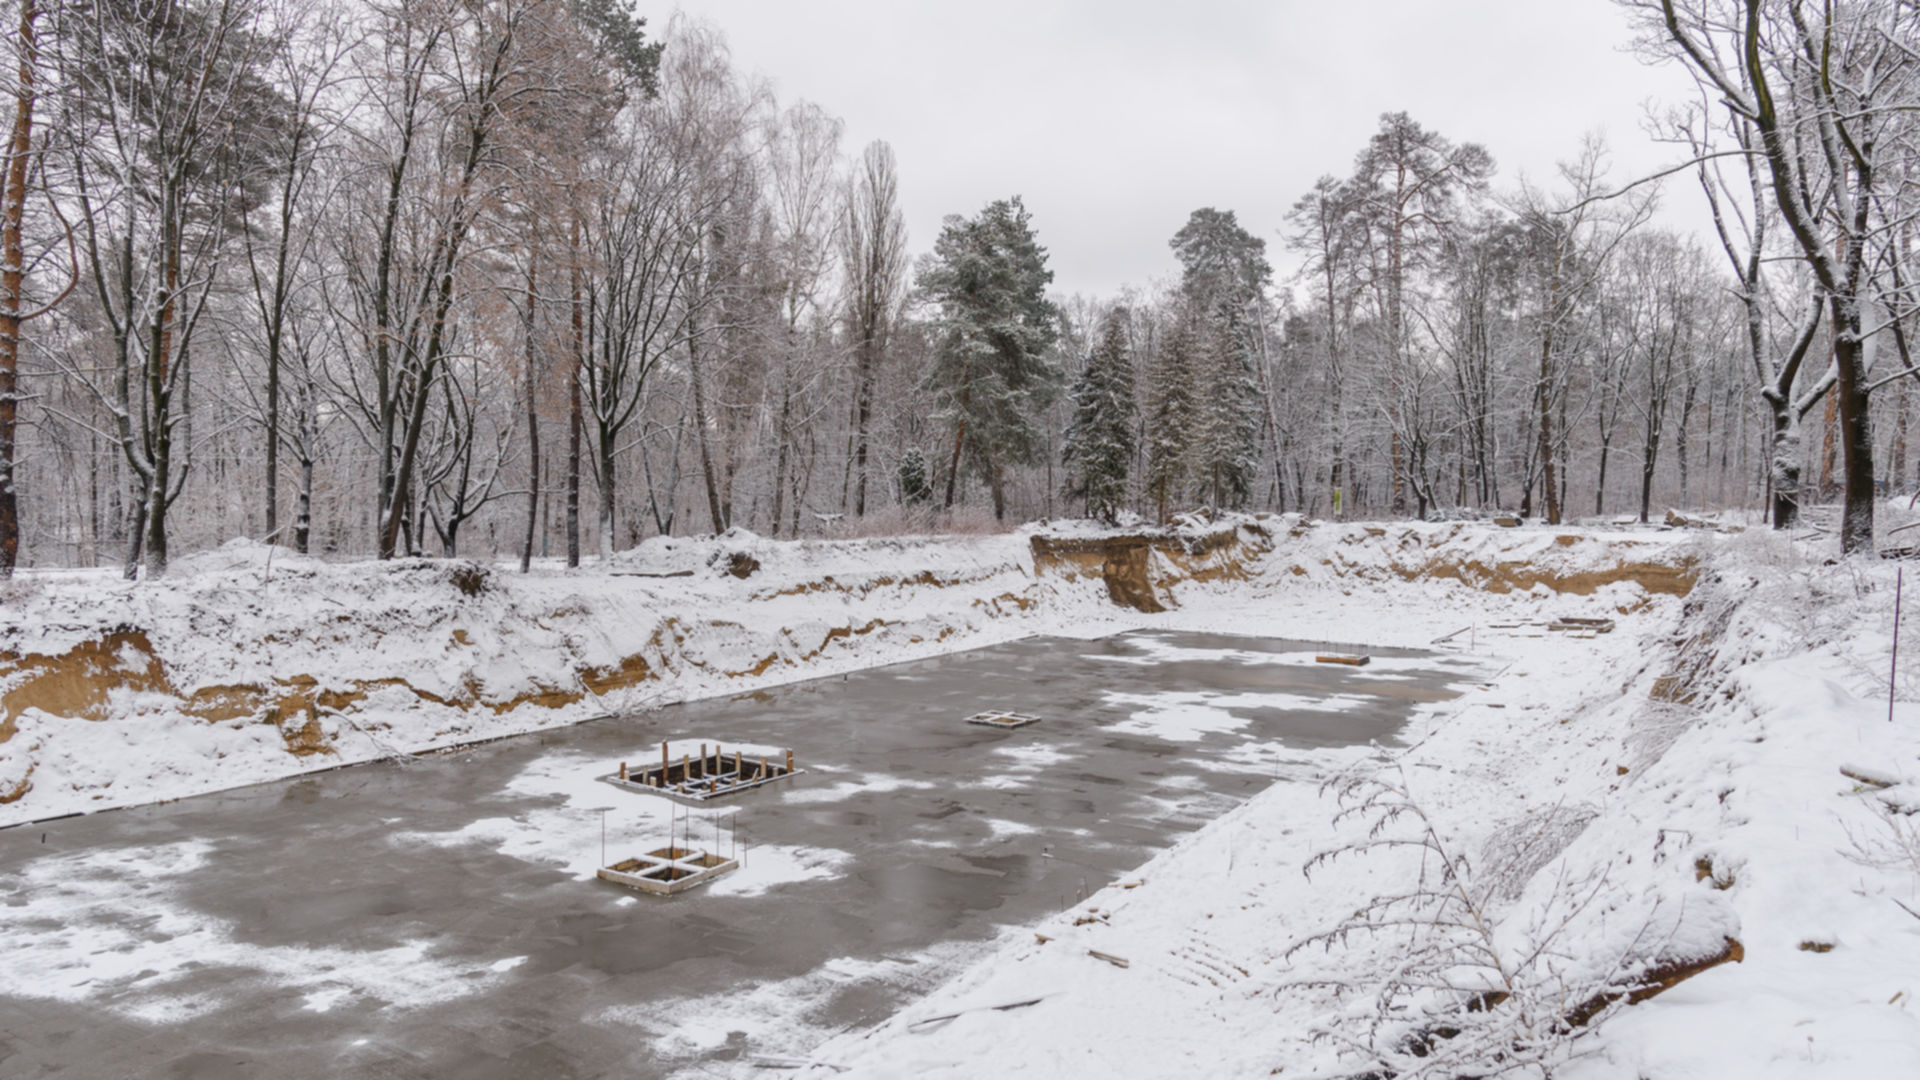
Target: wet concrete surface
x,y
424,919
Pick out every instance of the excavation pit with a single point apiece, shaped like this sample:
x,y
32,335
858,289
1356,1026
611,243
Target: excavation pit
x,y
712,773
668,871
1002,718
851,863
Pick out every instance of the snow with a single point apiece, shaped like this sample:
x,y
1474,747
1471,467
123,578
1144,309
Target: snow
x,y
1747,775
766,866
92,925
1187,716
439,668
1599,811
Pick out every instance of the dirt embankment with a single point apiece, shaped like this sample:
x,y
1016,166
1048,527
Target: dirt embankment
x,y
1489,558
418,656
85,682
1141,569
438,653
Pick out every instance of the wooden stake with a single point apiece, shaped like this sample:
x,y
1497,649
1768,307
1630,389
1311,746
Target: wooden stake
x,y
623,770
789,761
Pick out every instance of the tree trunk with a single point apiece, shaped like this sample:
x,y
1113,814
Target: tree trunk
x,y
1829,428
575,424
1651,450
604,448
13,282
303,514
533,417
780,436
136,529
1856,429
694,375
575,421
1901,407
1600,486
159,392
1545,404
960,441
1680,445
862,418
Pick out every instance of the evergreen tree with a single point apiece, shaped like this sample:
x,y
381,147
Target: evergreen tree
x,y
1224,279
622,37
1223,266
914,485
1227,428
1171,412
1100,442
993,372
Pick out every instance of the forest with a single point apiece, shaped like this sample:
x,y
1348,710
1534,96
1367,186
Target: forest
x,y
541,279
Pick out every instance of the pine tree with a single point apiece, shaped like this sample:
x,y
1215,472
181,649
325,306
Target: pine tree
x,y
1224,278
1227,429
1100,441
993,371
1172,409
912,473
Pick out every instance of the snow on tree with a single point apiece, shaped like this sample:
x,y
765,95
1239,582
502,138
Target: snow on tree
x,y
1224,277
915,488
1227,435
992,371
1100,442
1172,410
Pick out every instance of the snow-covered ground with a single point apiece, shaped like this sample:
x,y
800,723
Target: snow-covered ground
x,y
1605,822
249,664
1613,807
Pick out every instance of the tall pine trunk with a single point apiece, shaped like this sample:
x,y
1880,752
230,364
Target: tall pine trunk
x,y
13,260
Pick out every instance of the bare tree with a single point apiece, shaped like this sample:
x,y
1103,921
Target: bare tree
x,y
166,103
306,75
804,151
1406,189
1570,240
1824,88
873,249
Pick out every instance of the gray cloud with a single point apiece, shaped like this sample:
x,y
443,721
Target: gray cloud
x,y
1116,119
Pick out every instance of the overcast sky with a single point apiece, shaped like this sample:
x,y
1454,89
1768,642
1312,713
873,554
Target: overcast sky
x,y
1117,118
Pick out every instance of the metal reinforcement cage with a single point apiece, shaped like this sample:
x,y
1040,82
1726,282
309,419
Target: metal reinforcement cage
x,y
711,774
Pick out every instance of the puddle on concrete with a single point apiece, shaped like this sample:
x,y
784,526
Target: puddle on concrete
x,y
441,918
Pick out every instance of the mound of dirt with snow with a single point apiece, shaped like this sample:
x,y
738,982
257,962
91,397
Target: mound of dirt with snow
x,y
250,663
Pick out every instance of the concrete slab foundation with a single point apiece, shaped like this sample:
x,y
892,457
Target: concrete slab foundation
x,y
1001,718
668,871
